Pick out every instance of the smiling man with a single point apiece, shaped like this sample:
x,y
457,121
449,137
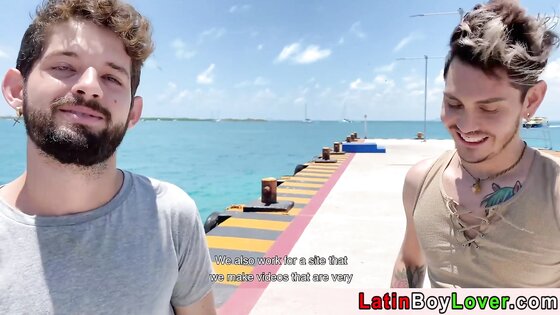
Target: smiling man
x,y
487,213
77,234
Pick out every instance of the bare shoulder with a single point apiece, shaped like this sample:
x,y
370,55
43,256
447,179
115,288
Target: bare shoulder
x,y
416,173
413,182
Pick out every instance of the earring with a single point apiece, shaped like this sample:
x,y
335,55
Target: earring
x,y
19,113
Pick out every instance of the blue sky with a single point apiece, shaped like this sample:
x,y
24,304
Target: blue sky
x,y
268,59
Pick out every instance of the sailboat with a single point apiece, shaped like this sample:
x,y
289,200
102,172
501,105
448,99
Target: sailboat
x,y
344,119
306,120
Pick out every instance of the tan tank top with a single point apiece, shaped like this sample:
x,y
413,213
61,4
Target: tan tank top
x,y
518,247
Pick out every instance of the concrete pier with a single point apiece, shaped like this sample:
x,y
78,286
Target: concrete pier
x,y
348,235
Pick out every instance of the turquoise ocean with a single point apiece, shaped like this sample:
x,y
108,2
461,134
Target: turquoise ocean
x,y
222,163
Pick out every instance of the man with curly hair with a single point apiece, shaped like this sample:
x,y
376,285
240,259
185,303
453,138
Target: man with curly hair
x,y
487,214
77,234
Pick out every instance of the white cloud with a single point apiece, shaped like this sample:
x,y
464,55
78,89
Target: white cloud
x,y
386,68
440,82
151,63
358,84
238,8
385,84
181,51
3,54
407,40
549,107
259,81
180,97
380,79
311,54
265,93
411,77
170,89
260,47
288,51
212,33
253,33
326,92
552,71
414,85
299,100
356,29
341,41
206,76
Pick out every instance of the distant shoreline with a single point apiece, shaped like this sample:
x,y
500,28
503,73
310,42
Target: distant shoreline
x,y
174,119
240,119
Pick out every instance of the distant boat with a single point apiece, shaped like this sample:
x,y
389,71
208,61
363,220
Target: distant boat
x,y
344,119
306,120
536,122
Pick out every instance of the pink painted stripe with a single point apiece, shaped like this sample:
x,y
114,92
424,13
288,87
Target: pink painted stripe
x,y
247,294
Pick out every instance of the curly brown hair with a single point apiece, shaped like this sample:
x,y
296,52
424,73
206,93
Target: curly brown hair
x,y
500,35
121,18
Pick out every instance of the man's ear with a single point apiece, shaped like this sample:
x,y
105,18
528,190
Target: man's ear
x,y
12,88
533,99
135,111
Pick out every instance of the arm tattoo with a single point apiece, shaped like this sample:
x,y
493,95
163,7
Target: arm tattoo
x,y
415,276
409,277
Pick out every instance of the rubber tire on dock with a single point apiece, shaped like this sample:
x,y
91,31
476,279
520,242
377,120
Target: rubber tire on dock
x,y
299,168
212,221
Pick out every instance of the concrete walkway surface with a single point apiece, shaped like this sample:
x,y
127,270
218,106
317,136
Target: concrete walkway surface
x,y
356,232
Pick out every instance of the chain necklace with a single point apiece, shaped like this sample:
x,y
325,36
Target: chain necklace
x,y
478,181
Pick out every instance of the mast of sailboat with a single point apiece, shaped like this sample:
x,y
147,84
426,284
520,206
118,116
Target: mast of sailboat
x,y
365,126
344,118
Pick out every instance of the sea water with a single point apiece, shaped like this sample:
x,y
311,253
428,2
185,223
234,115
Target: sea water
x,y
222,163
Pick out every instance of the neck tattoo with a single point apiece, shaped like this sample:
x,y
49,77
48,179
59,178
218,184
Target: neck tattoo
x,y
476,187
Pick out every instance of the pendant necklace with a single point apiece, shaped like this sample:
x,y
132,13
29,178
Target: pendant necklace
x,y
476,187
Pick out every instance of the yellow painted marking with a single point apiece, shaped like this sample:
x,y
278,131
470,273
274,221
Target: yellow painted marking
x,y
322,166
322,170
309,179
296,184
297,191
238,243
231,269
319,170
292,212
314,174
294,199
256,224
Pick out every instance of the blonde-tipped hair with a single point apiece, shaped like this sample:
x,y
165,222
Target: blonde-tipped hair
x,y
500,34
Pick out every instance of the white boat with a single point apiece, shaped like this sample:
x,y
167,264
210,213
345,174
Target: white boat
x,y
306,120
536,122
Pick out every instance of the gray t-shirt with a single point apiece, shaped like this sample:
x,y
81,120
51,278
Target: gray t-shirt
x,y
142,253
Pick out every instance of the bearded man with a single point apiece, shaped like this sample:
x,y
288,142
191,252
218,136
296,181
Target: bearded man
x,y
77,234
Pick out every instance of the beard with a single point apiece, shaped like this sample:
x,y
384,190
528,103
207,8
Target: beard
x,y
72,144
509,138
